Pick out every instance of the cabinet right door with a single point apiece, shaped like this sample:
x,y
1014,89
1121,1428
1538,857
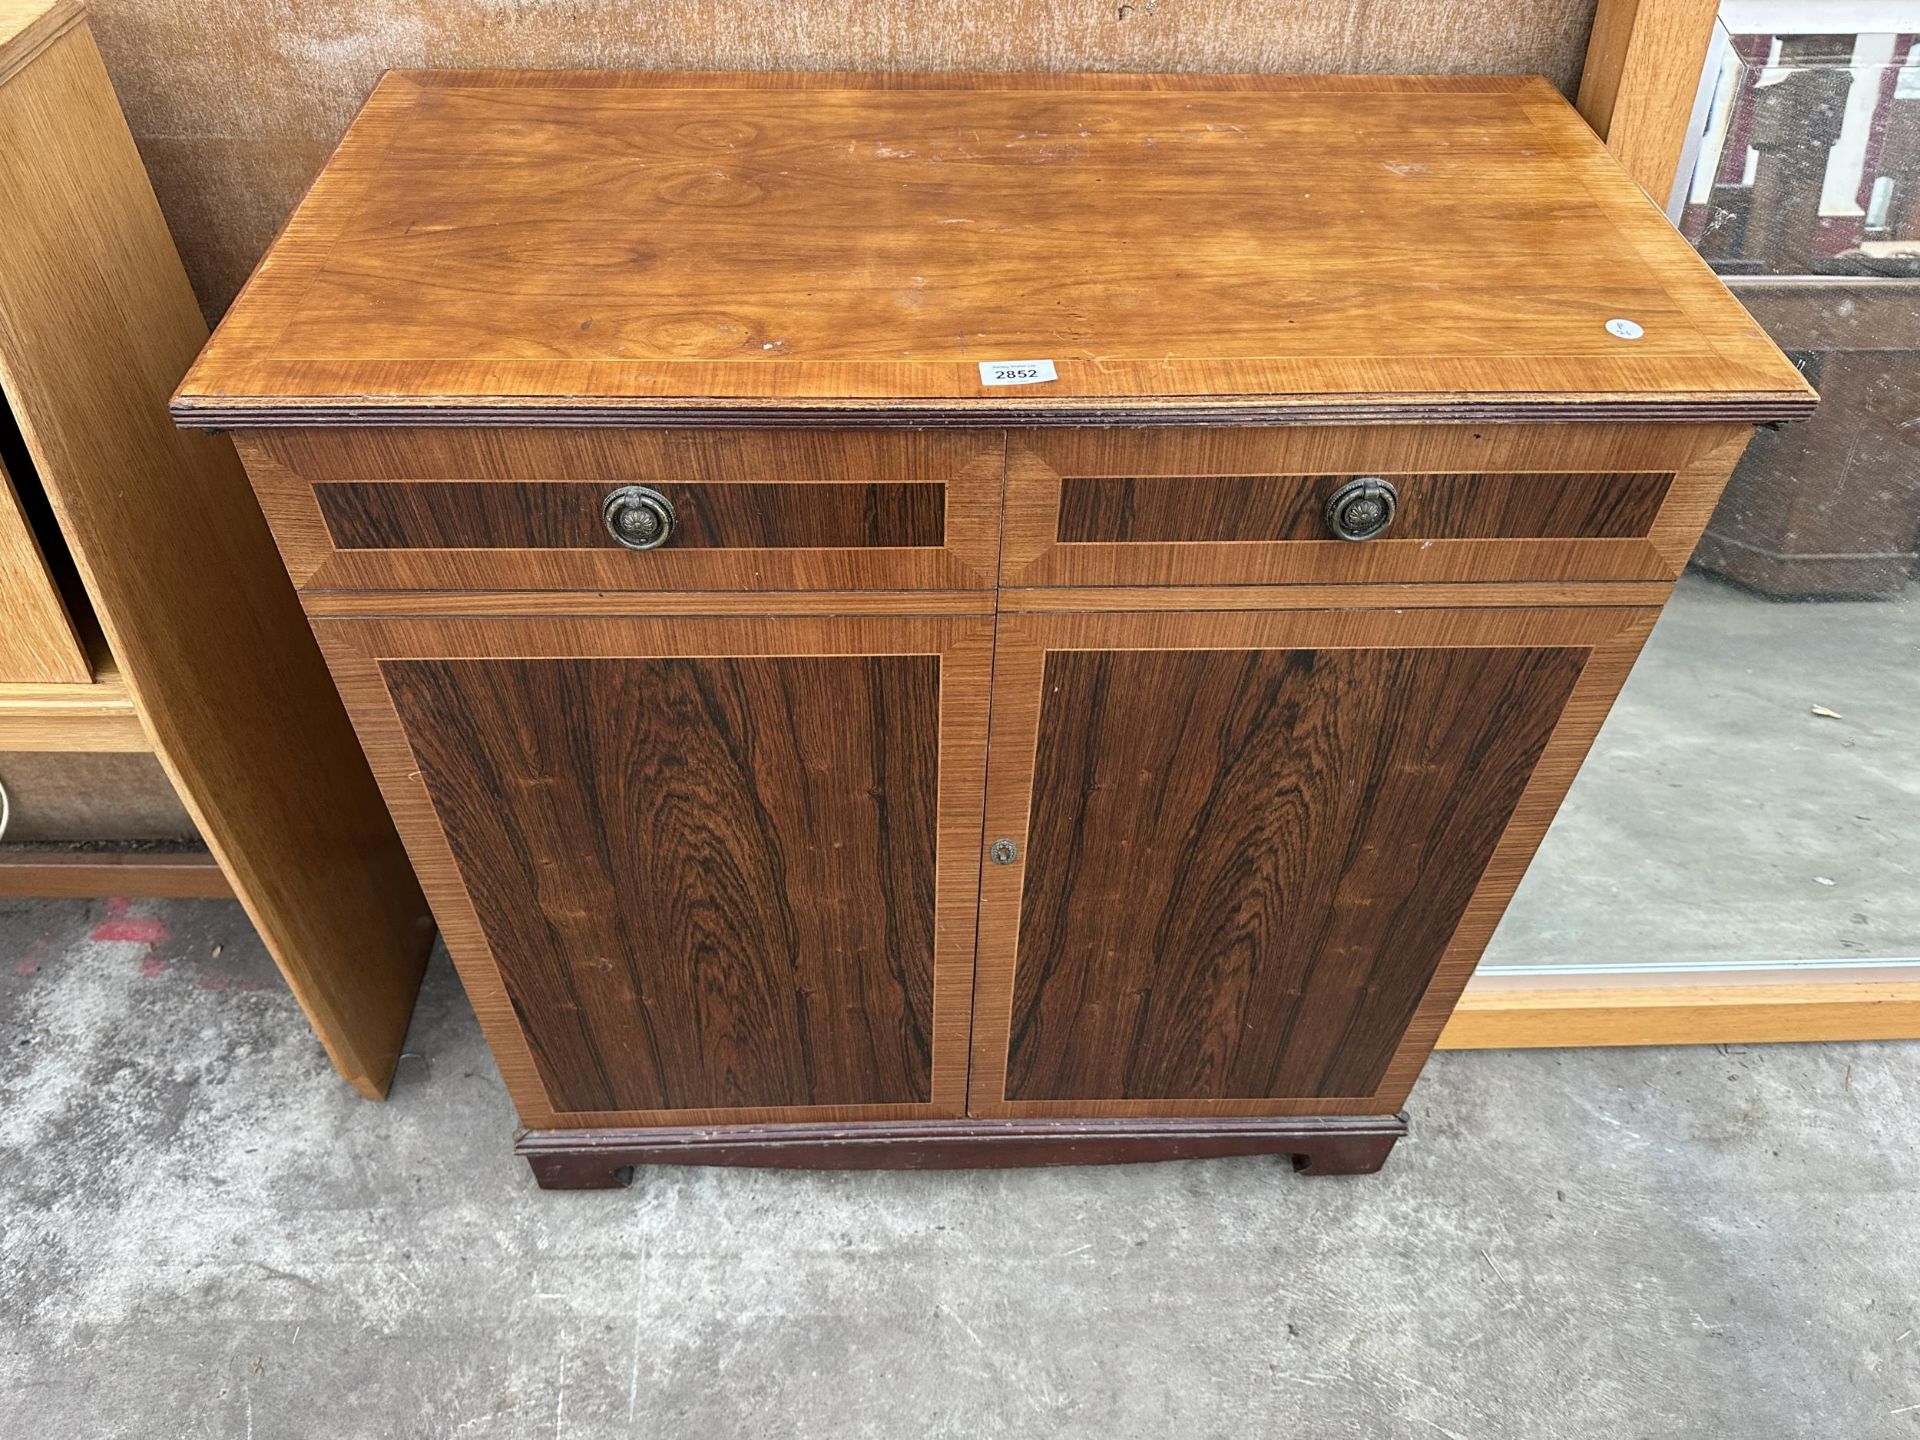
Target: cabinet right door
x,y
1252,856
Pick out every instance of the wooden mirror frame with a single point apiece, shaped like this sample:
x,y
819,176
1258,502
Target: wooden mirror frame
x,y
1642,72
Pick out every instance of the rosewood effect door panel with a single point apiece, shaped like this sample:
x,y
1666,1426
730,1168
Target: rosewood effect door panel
x,y
710,882
1247,841
706,874
1252,507
522,509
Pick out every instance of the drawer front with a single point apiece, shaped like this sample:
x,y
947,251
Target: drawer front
x,y
529,509
1246,506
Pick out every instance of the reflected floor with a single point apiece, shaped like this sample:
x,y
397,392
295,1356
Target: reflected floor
x,y
1719,820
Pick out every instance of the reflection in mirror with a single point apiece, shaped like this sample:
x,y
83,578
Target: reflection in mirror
x,y
1754,799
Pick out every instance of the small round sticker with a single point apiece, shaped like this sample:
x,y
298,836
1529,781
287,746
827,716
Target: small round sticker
x,y
1624,329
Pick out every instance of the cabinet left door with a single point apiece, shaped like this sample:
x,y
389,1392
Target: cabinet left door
x,y
694,871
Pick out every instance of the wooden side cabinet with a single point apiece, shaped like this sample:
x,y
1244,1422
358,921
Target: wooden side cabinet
x,y
143,607
818,752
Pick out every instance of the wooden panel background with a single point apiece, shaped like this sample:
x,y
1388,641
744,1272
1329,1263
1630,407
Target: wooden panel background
x,y
235,107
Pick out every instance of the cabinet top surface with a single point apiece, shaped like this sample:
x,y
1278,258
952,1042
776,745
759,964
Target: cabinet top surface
x,y
636,247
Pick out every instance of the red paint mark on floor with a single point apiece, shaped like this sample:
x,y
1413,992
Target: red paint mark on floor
x,y
117,904
152,965
145,930
29,963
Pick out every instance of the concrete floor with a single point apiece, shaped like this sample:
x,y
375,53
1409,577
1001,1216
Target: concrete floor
x,y
1718,819
205,1234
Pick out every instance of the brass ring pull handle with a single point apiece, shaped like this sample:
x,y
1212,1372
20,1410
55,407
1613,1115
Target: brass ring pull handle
x,y
1362,508
639,518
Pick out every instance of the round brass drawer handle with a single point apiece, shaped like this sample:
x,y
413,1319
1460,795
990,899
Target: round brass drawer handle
x,y
1362,508
639,518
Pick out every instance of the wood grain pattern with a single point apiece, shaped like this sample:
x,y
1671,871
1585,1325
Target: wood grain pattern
x,y
1609,636
231,144
93,714
28,26
710,882
1738,1009
487,945
1141,509
321,604
1251,597
1643,67
1551,488
1241,889
818,473
489,516
543,248
96,323
605,1159
83,874
37,639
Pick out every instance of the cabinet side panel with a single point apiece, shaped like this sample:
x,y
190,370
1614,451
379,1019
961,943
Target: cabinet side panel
x,y
1245,865
96,326
708,883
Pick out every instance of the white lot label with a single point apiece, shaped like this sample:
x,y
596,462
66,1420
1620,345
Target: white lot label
x,y
1016,372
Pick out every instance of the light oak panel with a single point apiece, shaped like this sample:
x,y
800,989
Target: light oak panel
x,y
28,26
95,714
37,639
1721,1010
96,324
1643,68
357,649
84,874
1612,635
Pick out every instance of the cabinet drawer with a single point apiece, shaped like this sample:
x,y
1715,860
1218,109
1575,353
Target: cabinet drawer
x,y
1244,506
532,509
